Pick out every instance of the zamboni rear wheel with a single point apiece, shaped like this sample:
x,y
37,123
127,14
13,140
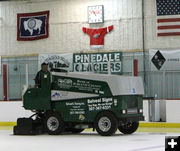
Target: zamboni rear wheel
x,y
129,127
106,124
54,123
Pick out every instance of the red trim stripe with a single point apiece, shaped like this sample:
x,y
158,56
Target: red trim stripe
x,y
168,20
5,81
169,27
135,64
169,34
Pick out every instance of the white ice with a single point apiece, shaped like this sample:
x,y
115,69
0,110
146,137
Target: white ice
x,y
86,141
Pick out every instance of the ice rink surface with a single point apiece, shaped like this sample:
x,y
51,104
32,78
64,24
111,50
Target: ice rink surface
x,y
86,141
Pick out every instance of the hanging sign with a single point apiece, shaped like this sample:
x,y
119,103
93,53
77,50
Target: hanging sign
x,y
97,35
97,62
57,61
32,26
164,60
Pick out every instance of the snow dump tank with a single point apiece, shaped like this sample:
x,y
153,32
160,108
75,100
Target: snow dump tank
x,y
98,84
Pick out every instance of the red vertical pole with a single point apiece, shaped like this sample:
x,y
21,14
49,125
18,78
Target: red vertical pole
x,y
135,67
5,82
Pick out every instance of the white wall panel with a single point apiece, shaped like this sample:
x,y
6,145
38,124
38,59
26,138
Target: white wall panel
x,y
10,111
67,17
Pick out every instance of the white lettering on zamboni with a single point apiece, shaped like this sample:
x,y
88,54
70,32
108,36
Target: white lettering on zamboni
x,y
94,100
73,112
99,104
107,100
64,82
75,103
76,108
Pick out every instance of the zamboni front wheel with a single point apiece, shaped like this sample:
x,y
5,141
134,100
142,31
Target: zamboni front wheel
x,y
54,123
106,124
129,127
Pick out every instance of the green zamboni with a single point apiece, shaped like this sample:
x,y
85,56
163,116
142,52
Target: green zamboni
x,y
72,102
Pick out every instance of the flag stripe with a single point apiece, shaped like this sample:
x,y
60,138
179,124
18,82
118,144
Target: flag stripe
x,y
169,27
168,30
169,34
169,24
167,17
168,20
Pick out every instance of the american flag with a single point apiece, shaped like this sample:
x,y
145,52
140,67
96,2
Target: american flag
x,y
168,17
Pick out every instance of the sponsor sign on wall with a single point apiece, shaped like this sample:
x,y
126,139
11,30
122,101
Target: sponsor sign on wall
x,y
97,62
84,62
164,60
57,61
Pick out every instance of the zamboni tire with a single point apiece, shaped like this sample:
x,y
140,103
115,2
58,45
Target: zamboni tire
x,y
129,127
54,123
106,124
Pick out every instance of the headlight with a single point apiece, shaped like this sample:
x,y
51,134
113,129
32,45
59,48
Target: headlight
x,y
123,111
115,102
140,110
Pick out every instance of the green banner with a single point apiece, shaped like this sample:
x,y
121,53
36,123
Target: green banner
x,y
97,62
